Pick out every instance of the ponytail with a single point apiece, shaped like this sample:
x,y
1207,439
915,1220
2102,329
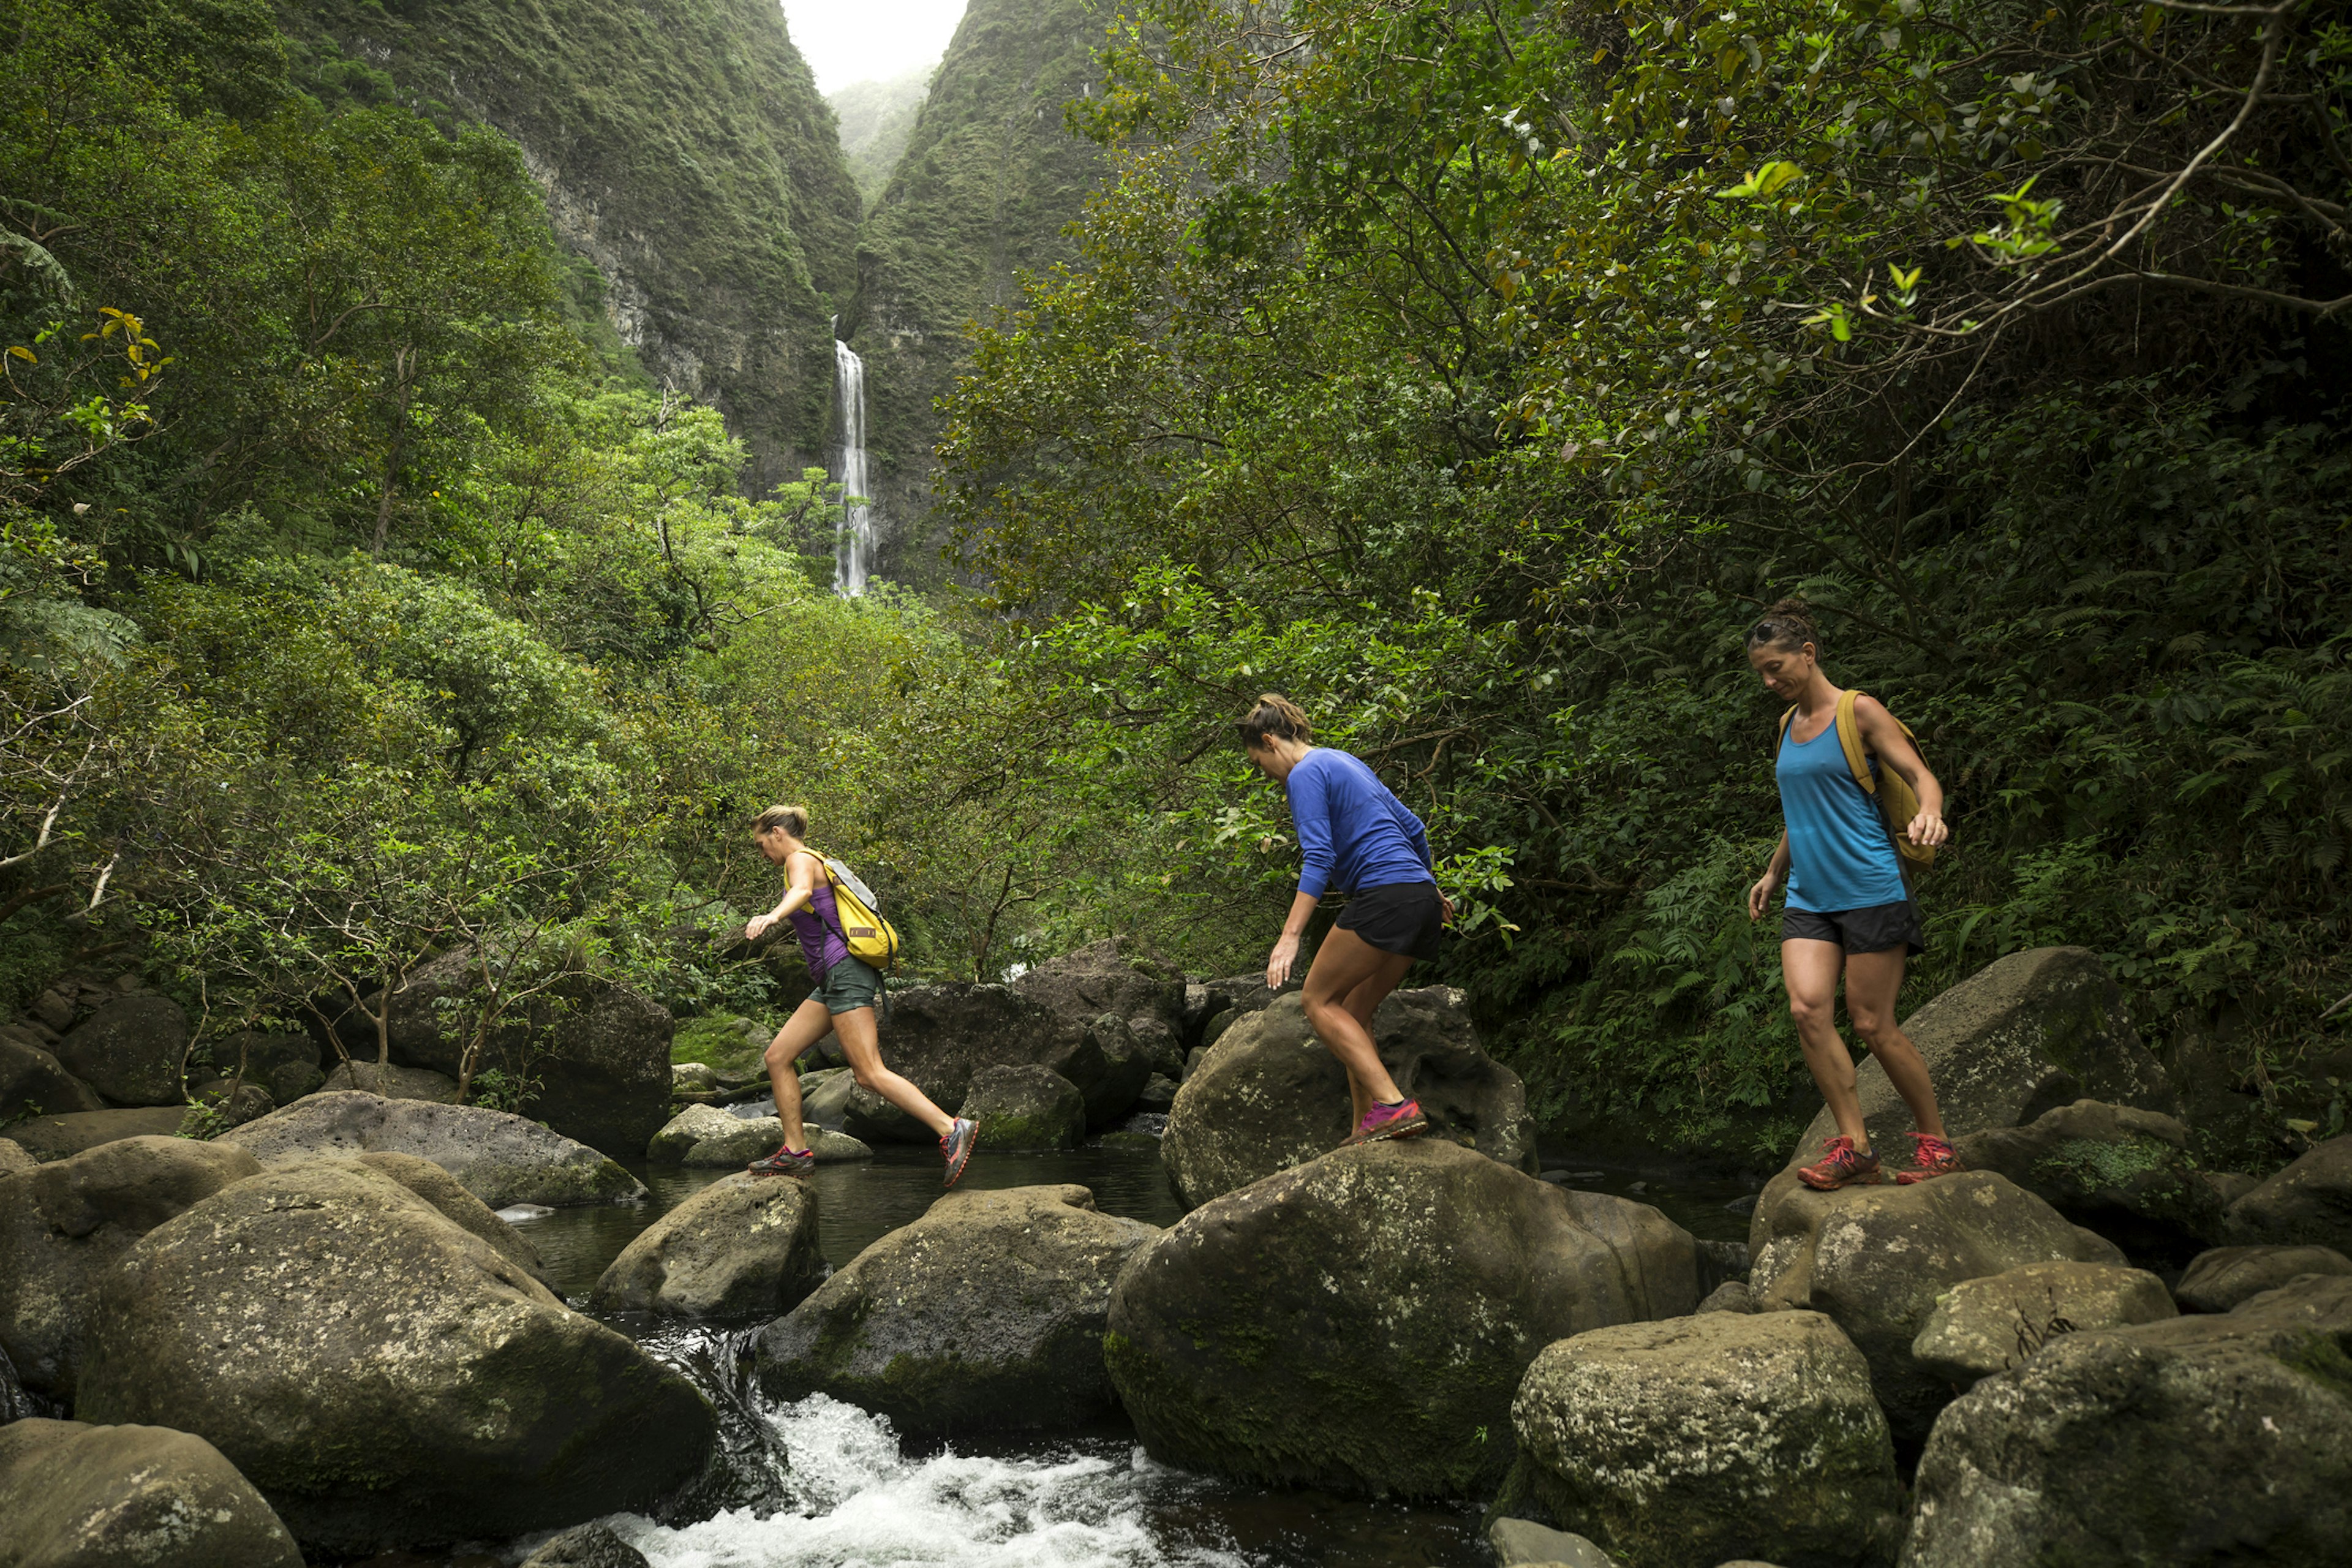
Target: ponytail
x,y
1275,717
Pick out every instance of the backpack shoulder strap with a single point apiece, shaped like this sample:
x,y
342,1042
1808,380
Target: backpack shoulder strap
x,y
1857,759
1786,720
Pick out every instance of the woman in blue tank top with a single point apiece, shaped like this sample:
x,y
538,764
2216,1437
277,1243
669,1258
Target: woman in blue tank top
x,y
1848,909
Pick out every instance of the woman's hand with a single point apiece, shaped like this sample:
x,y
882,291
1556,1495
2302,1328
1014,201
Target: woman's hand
x,y
1927,828
1447,905
757,927
1761,895
1278,966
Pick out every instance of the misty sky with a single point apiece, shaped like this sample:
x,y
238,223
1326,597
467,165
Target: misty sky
x,y
855,40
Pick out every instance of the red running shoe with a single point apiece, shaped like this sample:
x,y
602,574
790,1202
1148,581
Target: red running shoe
x,y
956,1146
1930,1156
1841,1165
1402,1119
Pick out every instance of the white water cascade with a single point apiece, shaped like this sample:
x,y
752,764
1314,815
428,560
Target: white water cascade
x,y
853,555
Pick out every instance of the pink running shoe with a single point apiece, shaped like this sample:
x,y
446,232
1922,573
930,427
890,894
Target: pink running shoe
x,y
1930,1156
1402,1119
1841,1165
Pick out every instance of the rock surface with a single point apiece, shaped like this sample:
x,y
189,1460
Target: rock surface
x,y
940,1035
1025,1108
460,1207
2124,1173
143,1497
130,1051
986,1312
1875,1259
2308,1203
745,1244
2200,1439
1523,1543
684,1130
1983,1326
1416,1281
47,1137
1268,1096
500,1159
1700,1438
386,1379
33,1082
1081,986
285,1065
392,1082
63,1225
589,1546
13,1158
745,1141
2217,1281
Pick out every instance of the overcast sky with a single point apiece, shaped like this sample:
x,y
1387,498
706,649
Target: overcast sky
x,y
857,40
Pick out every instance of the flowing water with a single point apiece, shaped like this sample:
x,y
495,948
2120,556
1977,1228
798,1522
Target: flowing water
x,y
853,558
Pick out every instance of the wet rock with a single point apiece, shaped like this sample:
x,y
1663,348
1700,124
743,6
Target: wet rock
x,y
385,1378
1269,1095
1983,1326
986,1312
47,1137
589,1546
2124,1173
1079,987
745,1244
63,1225
1876,1258
688,1128
1416,1281
2199,1439
1705,1437
2217,1281
392,1082
1025,1108
33,1082
74,1494
130,1051
500,1159
1522,1544
1158,1094
2308,1203
742,1142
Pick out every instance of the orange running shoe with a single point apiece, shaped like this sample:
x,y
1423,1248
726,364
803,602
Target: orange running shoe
x,y
1841,1165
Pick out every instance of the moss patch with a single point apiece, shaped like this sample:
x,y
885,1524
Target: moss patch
x,y
718,1040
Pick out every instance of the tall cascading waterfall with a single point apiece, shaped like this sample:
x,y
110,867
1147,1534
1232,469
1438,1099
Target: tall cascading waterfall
x,y
853,556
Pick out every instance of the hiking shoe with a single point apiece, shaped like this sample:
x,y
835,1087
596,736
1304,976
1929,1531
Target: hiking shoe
x,y
1402,1119
1841,1165
957,1147
1930,1156
787,1160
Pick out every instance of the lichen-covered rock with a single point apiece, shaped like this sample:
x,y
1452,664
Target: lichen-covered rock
x,y
2197,1440
500,1159
385,1378
742,1142
2308,1203
684,1130
392,1082
77,1496
460,1207
1983,1326
1025,1108
1361,1321
1876,1258
2218,1281
47,1137
33,1082
2124,1173
63,1225
692,1078
13,1158
986,1312
1705,1437
1269,1095
131,1050
744,1245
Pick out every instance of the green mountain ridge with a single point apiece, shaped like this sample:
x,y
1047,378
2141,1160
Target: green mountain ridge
x,y
876,119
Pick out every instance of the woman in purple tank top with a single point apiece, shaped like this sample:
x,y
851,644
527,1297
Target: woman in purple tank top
x,y
843,1003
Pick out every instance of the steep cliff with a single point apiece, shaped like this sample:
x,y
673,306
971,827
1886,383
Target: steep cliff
x,y
876,117
990,177
685,153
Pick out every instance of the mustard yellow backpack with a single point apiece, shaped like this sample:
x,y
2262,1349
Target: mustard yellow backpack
x,y
1898,803
862,929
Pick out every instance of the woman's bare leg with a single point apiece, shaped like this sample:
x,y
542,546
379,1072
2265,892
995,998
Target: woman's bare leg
x,y
809,1023
1872,981
1811,969
861,1044
1348,974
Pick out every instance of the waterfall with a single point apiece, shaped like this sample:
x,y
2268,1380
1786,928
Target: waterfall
x,y
853,556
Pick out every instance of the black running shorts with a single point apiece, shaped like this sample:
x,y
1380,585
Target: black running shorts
x,y
1402,917
1873,929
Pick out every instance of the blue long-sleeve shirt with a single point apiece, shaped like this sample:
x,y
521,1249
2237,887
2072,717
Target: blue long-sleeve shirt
x,y
1352,833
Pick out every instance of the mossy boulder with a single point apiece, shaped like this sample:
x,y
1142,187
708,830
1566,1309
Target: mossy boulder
x,y
2217,1281
986,1312
76,1496
1983,1326
498,1158
1025,1108
744,1140
385,1378
1361,1323
1703,1439
2125,1173
2211,1439
741,1246
2307,1204
131,1050
33,1082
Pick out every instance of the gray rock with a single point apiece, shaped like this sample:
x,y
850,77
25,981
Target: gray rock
x,y
1983,1326
742,1142
460,1207
2230,1185
1876,1258
63,1225
285,1066
74,1495
693,1078
1159,1093
1127,1064
47,1137
500,1159
2199,1439
2124,1173
233,1102
2308,1203
1697,1438
1025,1108
1080,987
1521,1543
1732,1296
745,1244
589,1546
824,1097
2217,1281
33,1082
1269,1095
385,1378
986,1312
871,1119
13,1158
131,1050
53,1010
392,1082
688,1128
1418,1265
938,1037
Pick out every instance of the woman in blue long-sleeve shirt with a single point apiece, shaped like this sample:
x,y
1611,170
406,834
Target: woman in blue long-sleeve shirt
x,y
1355,837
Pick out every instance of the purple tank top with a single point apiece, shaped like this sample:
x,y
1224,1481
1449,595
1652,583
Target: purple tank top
x,y
818,923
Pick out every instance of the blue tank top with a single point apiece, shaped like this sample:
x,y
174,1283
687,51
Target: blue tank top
x,y
1840,856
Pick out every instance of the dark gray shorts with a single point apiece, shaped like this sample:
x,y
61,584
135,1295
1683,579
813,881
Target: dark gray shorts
x,y
1873,929
848,985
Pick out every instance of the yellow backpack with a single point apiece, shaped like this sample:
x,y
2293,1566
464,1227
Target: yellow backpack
x,y
867,935
1898,803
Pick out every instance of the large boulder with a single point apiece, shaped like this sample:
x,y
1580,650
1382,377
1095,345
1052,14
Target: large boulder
x,y
1876,1258
2125,1173
1703,1439
77,1496
63,1225
986,1312
744,1245
1983,1326
386,1379
2308,1203
592,1545
743,1142
938,1037
13,1158
460,1207
1080,987
131,1049
47,1137
500,1159
33,1082
1268,1096
285,1065
1025,1108
2217,1281
1361,1321
2200,1439
391,1080
684,1130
